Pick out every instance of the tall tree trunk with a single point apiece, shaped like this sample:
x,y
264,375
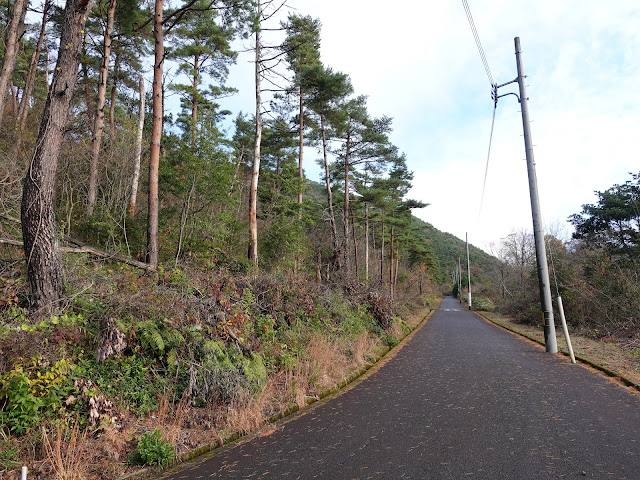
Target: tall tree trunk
x,y
15,92
194,100
33,69
327,179
253,196
14,31
382,252
98,128
46,66
87,89
153,246
138,152
391,256
355,243
41,253
346,204
300,154
366,242
112,101
395,273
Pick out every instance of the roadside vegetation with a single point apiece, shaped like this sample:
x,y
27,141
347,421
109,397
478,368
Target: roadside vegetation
x,y
139,369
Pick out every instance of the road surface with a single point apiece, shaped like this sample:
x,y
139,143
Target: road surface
x,y
462,399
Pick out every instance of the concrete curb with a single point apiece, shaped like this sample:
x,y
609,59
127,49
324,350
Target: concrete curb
x,y
155,472
581,359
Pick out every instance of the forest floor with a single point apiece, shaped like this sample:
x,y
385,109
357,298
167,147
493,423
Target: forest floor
x,y
618,355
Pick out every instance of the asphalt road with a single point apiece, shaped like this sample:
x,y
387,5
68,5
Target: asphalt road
x,y
462,399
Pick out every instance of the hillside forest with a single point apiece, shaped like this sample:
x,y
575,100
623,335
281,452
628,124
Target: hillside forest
x,y
168,275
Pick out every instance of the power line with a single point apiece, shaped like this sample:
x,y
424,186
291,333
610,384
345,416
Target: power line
x,y
486,170
478,43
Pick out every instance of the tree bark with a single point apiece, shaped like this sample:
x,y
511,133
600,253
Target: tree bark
x,y
153,246
382,252
42,256
194,100
131,209
87,90
301,147
253,197
355,243
366,242
98,128
112,102
318,265
391,257
345,254
14,30
46,67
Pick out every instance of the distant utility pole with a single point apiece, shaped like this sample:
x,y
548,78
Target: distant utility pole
x,y
459,280
466,236
538,233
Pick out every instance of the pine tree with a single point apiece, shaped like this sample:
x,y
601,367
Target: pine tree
x,y
302,51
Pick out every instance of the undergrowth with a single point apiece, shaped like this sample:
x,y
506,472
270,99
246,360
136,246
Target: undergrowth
x,y
144,368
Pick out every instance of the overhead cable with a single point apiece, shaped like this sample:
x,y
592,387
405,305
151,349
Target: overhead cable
x,y
486,170
478,43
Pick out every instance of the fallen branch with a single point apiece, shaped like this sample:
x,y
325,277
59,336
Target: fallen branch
x,y
10,218
83,248
245,351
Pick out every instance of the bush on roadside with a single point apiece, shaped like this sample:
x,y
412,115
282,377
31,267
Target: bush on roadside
x,y
153,450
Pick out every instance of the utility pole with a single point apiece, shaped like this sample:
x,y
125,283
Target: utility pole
x,y
466,236
538,233
459,280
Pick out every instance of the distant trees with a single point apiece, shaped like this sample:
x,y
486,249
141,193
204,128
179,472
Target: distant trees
x,y
613,222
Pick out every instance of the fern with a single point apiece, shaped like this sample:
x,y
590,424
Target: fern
x,y
172,337
150,337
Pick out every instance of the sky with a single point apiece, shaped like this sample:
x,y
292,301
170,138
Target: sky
x,y
418,63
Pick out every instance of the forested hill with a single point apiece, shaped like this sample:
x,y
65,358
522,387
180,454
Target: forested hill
x,y
448,248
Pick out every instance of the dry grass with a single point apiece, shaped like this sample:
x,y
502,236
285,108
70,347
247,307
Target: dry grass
x,y
327,359
248,413
68,452
362,347
170,419
608,352
297,383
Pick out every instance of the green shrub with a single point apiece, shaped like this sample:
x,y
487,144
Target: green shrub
x,y
128,378
390,340
483,304
153,449
32,390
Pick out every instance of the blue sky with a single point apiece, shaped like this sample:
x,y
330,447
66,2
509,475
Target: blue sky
x,y
418,63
